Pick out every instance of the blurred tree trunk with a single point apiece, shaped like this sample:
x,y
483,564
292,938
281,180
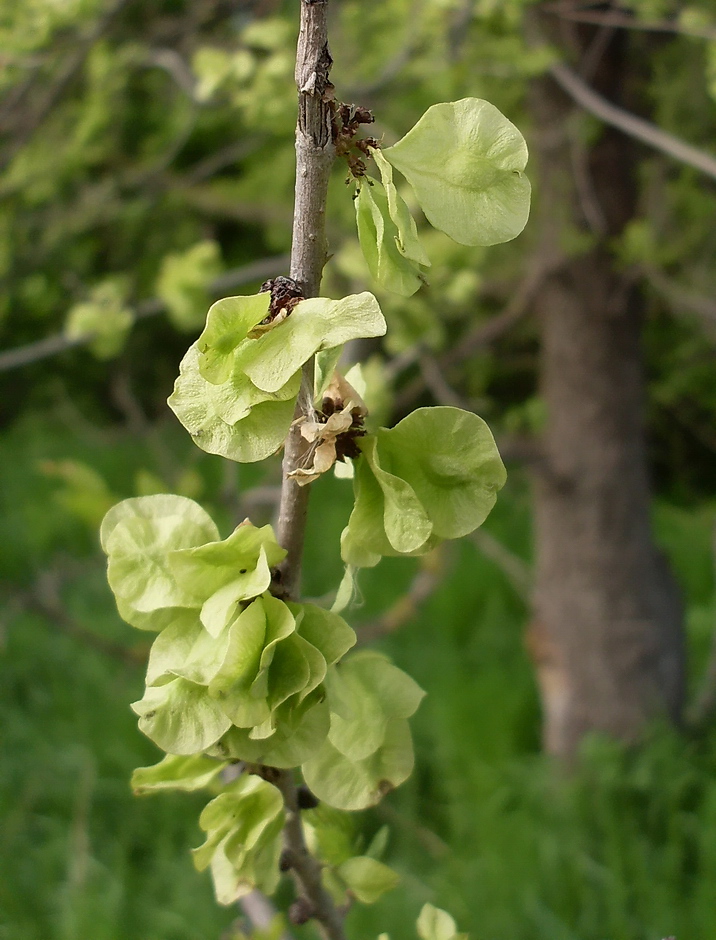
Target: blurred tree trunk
x,y
607,634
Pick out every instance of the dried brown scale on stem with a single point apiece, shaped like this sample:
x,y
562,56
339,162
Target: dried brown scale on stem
x,y
347,120
285,294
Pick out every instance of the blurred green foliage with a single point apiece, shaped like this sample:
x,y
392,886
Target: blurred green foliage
x,y
153,143
132,140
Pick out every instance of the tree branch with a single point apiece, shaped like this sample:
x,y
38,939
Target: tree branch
x,y
261,912
52,345
307,869
314,157
517,571
681,298
630,124
483,334
625,21
429,577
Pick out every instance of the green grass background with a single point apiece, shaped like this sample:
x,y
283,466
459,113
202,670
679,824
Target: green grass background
x,y
623,850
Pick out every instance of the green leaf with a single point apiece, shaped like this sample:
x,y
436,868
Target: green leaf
x,y
379,843
180,717
456,476
229,883
364,541
410,494
219,575
366,692
353,550
331,834
300,731
183,282
138,535
367,879
221,606
233,881
176,773
377,526
245,411
243,844
379,241
315,662
289,672
228,322
465,161
315,324
347,589
232,683
185,650
405,520
155,620
352,785
266,664
233,400
435,924
234,420
325,630
258,868
407,238
104,319
326,363
280,624
245,810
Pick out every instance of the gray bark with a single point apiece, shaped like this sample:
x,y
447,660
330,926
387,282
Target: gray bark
x,y
607,636
315,154
314,158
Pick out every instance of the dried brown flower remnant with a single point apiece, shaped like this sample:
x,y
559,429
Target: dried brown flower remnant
x,y
347,120
333,432
285,294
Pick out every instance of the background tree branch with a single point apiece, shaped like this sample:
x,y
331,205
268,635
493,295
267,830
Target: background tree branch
x,y
630,124
52,345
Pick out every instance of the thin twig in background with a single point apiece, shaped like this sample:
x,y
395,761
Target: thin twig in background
x,y
429,577
584,185
217,161
630,124
437,384
681,298
176,67
619,20
486,333
52,345
261,912
44,599
516,570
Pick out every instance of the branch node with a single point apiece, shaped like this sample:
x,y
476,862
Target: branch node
x,y
301,911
